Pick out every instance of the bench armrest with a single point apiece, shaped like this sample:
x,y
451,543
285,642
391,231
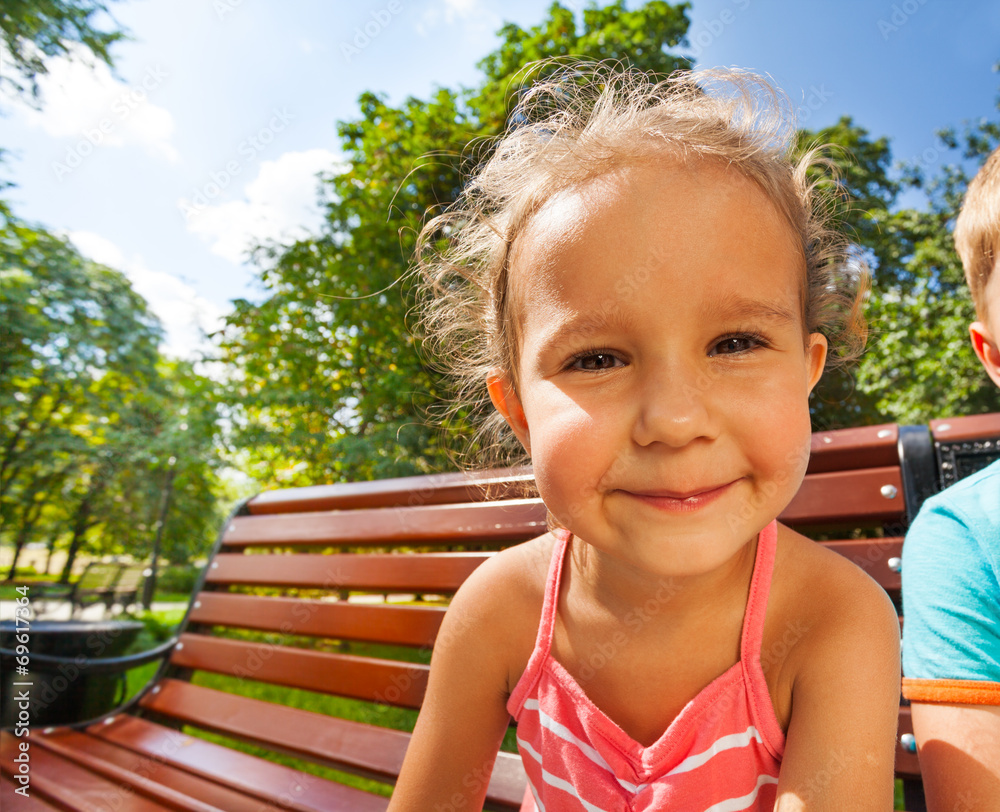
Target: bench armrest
x,y
95,665
51,590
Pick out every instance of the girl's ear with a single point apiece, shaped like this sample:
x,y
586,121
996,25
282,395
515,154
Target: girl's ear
x,y
815,357
986,347
506,401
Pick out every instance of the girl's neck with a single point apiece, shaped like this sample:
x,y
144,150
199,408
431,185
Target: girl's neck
x,y
619,588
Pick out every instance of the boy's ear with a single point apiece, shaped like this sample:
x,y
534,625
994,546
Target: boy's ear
x,y
816,357
506,401
986,347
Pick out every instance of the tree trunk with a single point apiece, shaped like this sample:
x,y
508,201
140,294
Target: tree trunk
x,y
81,525
31,513
150,586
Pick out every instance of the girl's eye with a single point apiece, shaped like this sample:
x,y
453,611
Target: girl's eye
x,y
596,361
736,344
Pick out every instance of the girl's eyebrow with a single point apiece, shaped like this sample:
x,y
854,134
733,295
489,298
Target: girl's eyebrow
x,y
590,323
735,306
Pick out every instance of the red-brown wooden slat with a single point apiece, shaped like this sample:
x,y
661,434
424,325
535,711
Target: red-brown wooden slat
x,y
137,776
431,489
401,625
199,792
847,449
376,680
427,572
366,750
287,787
479,523
961,429
852,497
873,556
10,799
62,782
907,763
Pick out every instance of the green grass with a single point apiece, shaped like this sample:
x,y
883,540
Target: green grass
x,y
9,589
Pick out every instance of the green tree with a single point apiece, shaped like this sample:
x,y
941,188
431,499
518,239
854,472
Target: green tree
x,y
329,383
34,31
90,413
75,342
328,379
919,364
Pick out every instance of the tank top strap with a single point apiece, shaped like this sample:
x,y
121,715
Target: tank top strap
x,y
760,589
546,626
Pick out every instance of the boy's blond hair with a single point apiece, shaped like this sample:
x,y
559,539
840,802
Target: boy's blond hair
x,y
977,232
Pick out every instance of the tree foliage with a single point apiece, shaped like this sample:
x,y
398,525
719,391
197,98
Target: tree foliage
x,y
90,413
329,381
919,364
34,31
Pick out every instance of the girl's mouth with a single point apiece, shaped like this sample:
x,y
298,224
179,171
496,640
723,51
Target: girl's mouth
x,y
678,502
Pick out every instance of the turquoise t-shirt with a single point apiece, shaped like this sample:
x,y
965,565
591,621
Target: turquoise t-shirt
x,y
951,583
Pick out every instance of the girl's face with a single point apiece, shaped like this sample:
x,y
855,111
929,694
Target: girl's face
x,y
664,369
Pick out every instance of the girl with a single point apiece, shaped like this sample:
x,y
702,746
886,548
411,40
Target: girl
x,y
641,280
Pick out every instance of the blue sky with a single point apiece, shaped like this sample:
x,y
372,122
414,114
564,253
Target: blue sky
x,y
220,112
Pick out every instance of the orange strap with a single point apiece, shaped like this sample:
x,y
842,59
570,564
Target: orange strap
x,y
958,691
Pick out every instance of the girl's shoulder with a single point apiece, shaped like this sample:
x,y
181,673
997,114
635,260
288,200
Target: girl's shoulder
x,y
514,575
810,579
824,612
500,605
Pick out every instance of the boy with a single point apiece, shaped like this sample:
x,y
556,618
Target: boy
x,y
951,568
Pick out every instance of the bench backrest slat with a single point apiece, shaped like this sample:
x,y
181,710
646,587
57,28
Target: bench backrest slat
x,y
486,522
856,497
340,620
340,674
428,572
847,449
300,732
874,557
435,489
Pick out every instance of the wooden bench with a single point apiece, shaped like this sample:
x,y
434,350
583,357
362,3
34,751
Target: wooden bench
x,y
334,594
125,592
96,584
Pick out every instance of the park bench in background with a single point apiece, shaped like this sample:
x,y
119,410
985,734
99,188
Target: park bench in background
x,y
126,587
113,584
293,598
95,585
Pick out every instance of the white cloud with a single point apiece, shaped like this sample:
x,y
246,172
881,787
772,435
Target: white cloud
x,y
279,204
83,101
473,15
186,316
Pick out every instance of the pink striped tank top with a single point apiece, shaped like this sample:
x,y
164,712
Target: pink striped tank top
x,y
721,753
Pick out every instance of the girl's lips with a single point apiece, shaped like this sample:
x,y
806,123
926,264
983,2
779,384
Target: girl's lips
x,y
674,502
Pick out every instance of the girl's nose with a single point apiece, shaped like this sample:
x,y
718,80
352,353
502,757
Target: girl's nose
x,y
673,408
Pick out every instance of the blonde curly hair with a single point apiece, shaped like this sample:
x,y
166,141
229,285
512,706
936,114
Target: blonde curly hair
x,y
581,121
